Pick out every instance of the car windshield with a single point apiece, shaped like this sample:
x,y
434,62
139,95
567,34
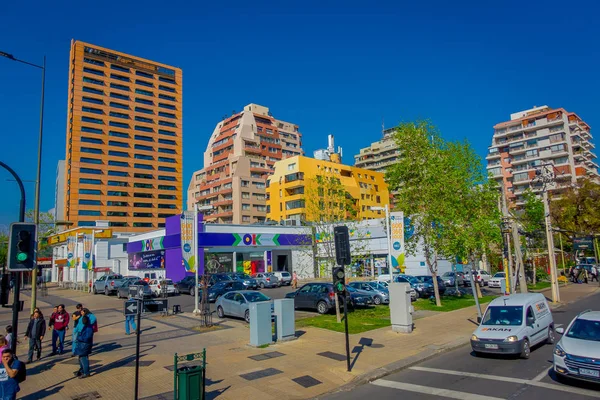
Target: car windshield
x,y
377,286
425,278
254,297
585,329
166,282
219,285
503,315
351,289
448,274
243,276
410,279
499,275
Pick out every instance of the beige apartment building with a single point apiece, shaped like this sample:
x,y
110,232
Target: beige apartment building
x,y
379,155
537,137
240,155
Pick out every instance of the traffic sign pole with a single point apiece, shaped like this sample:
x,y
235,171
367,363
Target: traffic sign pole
x,y
137,346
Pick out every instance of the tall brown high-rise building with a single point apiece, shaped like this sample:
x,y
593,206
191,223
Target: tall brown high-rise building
x,y
124,140
240,154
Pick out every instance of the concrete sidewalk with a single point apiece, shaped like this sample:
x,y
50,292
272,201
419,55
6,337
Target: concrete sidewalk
x,y
310,366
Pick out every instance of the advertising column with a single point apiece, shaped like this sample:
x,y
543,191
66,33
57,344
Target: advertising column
x,y
397,239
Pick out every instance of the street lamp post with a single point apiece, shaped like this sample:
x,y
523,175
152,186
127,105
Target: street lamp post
x,y
388,233
39,171
197,209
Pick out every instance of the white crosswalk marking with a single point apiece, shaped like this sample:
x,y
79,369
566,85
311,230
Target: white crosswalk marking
x,y
541,375
452,394
557,387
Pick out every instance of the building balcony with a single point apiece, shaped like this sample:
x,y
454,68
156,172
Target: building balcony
x,y
222,202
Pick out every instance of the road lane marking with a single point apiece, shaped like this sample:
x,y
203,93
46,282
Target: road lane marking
x,y
542,375
557,387
452,394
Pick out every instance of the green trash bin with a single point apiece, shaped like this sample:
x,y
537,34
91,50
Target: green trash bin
x,y
190,380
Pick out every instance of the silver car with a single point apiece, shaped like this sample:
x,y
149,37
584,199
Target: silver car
x,y
379,293
237,303
266,279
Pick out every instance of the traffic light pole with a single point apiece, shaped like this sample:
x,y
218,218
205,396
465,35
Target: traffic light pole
x,y
17,288
345,297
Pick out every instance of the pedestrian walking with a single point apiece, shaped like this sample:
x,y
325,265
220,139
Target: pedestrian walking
x,y
76,316
60,325
3,344
594,274
9,384
294,280
83,348
130,320
93,321
9,336
36,330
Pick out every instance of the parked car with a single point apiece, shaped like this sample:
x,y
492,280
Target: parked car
x,y
428,280
452,278
148,276
186,285
158,287
247,280
266,279
379,293
495,281
577,353
514,324
220,288
123,290
360,298
481,276
237,303
218,277
284,277
106,284
317,296
420,289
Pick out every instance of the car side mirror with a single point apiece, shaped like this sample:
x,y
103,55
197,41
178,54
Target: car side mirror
x,y
560,330
530,320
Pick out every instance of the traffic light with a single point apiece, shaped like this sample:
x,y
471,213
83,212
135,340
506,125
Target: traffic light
x,y
342,245
339,280
21,247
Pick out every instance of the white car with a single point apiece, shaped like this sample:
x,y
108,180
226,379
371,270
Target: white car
x,y
158,287
496,280
577,354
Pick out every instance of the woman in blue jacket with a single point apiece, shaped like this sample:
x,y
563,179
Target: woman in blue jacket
x,y
85,341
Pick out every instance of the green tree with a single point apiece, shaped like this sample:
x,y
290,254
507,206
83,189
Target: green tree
x,y
3,248
577,209
46,228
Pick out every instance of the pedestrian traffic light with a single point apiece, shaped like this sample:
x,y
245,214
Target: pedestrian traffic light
x,y
339,280
342,245
21,247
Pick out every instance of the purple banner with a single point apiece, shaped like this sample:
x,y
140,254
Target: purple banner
x,y
147,260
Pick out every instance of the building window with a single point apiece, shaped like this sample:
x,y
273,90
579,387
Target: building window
x,y
118,153
142,119
117,173
166,115
144,101
142,215
168,106
166,159
167,178
244,183
142,224
169,206
166,88
167,197
166,97
120,224
144,83
291,205
143,176
95,192
165,123
92,100
117,204
116,214
166,133
168,80
143,129
143,147
144,74
116,193
245,207
118,144
92,120
118,124
168,151
143,166
88,181
119,105
118,115
144,92
118,134
143,157
245,218
92,110
93,62
291,166
120,77
167,141
90,171
145,111
166,169
113,163
118,96
90,160
143,205
119,68
93,213
143,195
91,130
166,187
120,87
93,81
143,185
117,183
144,138
91,90
90,149
86,202
93,71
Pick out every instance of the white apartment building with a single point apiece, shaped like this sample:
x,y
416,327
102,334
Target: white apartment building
x,y
379,155
536,137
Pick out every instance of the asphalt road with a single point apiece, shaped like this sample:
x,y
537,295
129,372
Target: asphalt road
x,y
460,375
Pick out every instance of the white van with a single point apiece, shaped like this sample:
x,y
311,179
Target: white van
x,y
513,325
384,278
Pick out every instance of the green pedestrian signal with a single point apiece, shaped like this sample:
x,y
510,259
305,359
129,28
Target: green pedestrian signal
x,y
21,247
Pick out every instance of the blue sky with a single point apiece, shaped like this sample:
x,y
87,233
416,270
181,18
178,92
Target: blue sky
x,y
331,67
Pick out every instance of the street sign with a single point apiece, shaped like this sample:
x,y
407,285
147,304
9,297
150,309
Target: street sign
x,y
131,307
583,243
155,306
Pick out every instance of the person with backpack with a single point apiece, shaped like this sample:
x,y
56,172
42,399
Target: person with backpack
x,y
130,320
85,342
60,324
91,317
12,372
76,316
35,332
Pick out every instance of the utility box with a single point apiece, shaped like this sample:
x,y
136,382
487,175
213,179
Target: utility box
x,y
400,307
261,330
285,319
503,287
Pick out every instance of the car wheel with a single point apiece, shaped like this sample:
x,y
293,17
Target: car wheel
x,y
220,312
106,291
118,294
262,285
551,336
247,316
377,300
322,307
94,291
526,352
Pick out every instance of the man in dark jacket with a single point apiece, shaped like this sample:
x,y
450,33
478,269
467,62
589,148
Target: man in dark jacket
x,y
60,325
85,341
35,332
